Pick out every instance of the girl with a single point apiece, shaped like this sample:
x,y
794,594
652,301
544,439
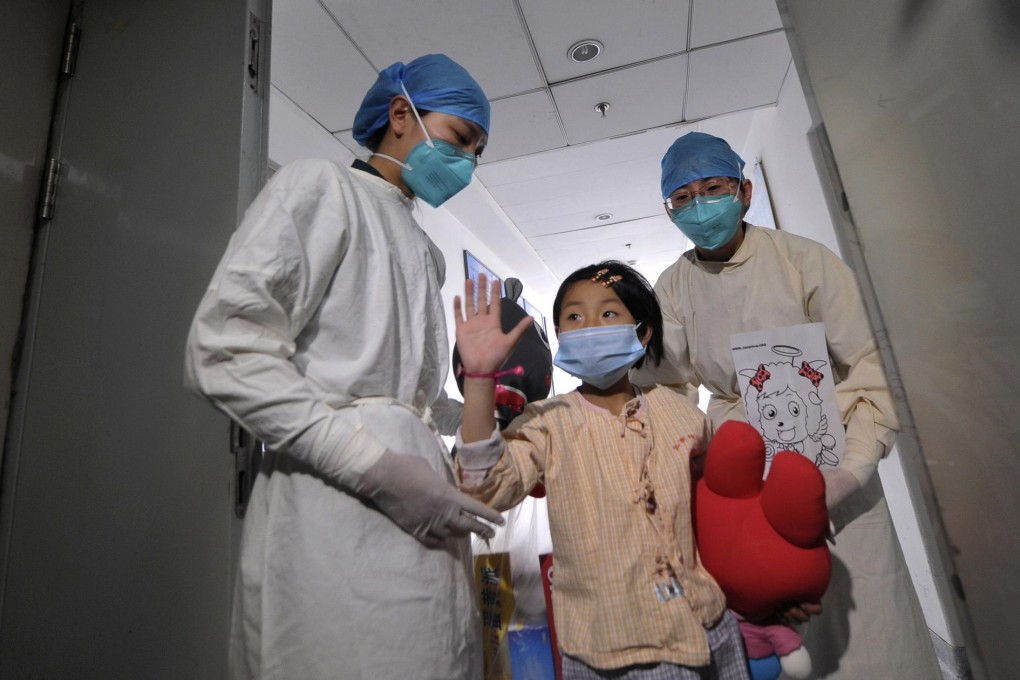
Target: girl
x,y
631,598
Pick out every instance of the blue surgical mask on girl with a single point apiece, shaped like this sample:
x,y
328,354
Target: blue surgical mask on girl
x,y
599,356
710,222
434,170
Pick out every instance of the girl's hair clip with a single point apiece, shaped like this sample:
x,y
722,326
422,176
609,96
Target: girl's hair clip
x,y
606,281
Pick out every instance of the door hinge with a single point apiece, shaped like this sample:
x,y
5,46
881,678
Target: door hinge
x,y
70,56
248,453
254,51
49,191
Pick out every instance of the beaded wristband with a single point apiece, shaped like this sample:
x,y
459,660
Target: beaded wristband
x,y
516,370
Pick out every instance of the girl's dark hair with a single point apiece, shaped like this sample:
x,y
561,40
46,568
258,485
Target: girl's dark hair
x,y
634,292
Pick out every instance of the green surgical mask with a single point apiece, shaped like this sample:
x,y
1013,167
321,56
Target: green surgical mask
x,y
434,170
710,222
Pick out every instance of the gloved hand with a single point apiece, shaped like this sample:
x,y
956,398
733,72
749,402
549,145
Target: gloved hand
x,y
421,502
839,485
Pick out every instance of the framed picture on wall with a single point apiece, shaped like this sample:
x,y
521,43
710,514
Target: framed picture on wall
x,y
473,267
533,312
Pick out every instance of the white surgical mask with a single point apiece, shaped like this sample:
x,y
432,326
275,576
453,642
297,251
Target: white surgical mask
x,y
599,356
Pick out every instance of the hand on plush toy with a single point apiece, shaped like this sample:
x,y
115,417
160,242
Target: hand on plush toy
x,y
799,613
764,540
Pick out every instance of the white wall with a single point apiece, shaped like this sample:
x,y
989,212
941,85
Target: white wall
x,y
778,138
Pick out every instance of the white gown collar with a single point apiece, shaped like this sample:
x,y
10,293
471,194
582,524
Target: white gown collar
x,y
389,190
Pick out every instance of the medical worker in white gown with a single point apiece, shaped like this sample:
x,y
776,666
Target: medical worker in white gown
x,y
323,333
741,278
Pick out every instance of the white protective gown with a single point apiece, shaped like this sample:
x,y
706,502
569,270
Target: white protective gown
x,y
872,625
323,332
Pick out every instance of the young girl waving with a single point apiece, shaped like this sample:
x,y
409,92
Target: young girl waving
x,y
632,599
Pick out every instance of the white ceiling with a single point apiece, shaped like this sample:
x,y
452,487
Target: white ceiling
x,y
553,162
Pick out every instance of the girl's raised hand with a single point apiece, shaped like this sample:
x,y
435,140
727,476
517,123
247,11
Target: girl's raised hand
x,y
481,342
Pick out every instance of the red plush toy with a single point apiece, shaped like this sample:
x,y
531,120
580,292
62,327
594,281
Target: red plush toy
x,y
763,540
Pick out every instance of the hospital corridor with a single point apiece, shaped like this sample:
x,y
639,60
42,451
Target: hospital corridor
x,y
152,153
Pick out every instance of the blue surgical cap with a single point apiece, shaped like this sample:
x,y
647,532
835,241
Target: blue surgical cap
x,y
697,156
434,82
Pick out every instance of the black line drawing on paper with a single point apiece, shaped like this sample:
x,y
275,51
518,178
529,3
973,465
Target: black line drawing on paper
x,y
783,403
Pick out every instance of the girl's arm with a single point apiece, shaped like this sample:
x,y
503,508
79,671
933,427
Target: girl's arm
x,y
483,348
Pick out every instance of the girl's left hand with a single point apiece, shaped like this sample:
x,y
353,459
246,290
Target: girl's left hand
x,y
481,342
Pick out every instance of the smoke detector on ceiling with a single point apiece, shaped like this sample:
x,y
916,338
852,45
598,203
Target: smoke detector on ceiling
x,y
584,51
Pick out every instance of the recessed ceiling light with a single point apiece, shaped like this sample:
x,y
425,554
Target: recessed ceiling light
x,y
583,51
602,217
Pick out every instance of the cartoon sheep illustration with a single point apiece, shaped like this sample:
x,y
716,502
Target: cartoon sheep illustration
x,y
783,404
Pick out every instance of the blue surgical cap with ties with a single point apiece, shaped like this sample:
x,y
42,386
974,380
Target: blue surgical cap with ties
x,y
695,156
434,82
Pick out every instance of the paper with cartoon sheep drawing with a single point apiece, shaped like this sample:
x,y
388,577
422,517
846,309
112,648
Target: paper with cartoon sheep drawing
x,y
789,396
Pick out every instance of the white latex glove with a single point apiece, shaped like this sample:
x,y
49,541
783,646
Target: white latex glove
x,y
796,664
422,503
839,485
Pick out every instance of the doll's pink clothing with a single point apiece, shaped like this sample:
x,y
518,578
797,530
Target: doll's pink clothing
x,y
765,639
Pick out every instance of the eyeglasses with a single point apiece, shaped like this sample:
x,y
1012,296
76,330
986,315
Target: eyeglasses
x,y
712,186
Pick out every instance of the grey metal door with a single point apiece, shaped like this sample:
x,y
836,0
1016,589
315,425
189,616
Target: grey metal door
x,y
118,509
919,101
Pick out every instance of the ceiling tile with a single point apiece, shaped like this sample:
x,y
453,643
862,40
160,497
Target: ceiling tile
x,y
716,21
626,212
582,208
737,75
523,125
639,97
603,178
475,208
578,158
305,42
576,213
484,36
636,233
630,32
653,244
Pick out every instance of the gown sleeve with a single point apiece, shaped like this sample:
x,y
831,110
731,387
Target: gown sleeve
x,y
447,413
268,286
863,396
